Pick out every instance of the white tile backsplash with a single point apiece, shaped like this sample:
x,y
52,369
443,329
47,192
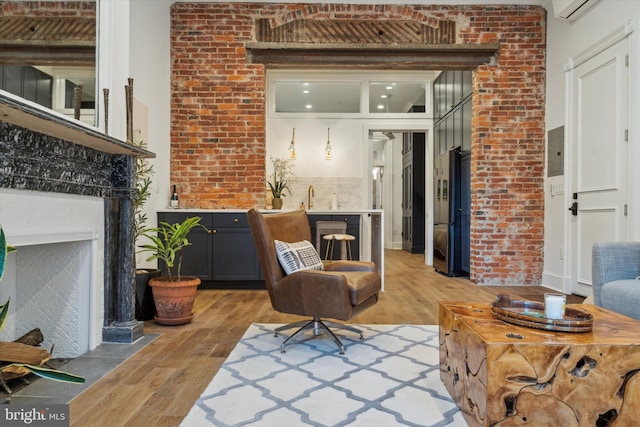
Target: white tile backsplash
x,y
349,192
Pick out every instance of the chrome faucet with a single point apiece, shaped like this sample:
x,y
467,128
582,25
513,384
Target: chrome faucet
x,y
310,194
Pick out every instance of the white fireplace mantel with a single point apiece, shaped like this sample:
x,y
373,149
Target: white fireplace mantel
x,y
29,115
45,239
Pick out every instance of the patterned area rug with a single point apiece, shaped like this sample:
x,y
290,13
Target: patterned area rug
x,y
391,378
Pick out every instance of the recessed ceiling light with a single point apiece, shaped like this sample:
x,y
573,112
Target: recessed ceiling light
x,y
305,91
308,106
383,96
389,87
380,107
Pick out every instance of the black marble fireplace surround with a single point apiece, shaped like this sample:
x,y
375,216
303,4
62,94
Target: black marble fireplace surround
x,y
88,163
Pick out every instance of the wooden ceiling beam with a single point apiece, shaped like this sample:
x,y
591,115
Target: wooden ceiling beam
x,y
48,55
370,56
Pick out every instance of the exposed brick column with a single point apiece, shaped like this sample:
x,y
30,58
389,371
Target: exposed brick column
x,y
507,161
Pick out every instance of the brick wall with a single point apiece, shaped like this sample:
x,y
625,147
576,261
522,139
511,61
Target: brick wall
x,y
218,118
48,8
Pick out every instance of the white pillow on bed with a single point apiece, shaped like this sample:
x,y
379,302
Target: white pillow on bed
x,y
298,256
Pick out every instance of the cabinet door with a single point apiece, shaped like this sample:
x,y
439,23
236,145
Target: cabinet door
x,y
467,84
444,94
442,137
466,125
450,131
234,255
456,85
436,98
195,257
457,127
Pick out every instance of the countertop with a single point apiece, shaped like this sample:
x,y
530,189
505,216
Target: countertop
x,y
309,212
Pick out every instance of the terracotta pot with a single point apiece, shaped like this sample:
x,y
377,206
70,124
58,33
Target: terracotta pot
x,y
277,203
174,300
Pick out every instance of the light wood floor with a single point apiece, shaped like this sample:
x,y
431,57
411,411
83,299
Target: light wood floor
x,y
159,385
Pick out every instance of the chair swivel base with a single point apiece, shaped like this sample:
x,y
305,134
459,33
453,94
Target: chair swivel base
x,y
317,325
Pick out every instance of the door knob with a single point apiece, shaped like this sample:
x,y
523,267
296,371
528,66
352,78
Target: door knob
x,y
574,209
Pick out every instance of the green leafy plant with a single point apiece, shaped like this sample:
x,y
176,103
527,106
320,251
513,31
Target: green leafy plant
x,y
282,176
40,371
167,242
144,170
4,251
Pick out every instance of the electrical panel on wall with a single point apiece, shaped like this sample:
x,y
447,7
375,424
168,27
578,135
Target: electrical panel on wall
x,y
555,151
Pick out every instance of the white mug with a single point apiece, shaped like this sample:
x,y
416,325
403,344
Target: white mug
x,y
554,305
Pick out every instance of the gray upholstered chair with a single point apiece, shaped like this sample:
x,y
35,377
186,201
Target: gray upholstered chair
x,y
340,291
615,271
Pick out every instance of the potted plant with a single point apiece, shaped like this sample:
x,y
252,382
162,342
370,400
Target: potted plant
x,y
16,368
173,294
282,175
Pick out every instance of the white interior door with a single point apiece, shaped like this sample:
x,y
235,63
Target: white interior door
x,y
599,133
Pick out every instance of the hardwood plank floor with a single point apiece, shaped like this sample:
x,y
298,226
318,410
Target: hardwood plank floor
x,y
159,385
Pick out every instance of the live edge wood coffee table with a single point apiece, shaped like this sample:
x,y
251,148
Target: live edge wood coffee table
x,y
500,374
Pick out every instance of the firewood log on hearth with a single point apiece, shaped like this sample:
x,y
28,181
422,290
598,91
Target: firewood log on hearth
x,y
33,337
23,350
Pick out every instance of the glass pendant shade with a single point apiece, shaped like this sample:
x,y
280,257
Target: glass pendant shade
x,y
328,150
292,145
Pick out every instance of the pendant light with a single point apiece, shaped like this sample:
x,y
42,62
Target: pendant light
x,y
292,146
328,150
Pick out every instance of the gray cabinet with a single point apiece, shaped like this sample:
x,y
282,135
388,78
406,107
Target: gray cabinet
x,y
452,92
452,172
223,252
234,253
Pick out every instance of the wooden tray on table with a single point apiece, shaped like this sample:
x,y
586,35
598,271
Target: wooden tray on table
x,y
531,315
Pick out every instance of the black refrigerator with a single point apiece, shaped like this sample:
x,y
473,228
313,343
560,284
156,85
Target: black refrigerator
x,y
447,232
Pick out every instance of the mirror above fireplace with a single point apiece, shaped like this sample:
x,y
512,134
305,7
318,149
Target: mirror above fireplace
x,y
48,54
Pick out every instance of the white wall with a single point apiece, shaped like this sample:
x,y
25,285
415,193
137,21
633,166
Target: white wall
x,y
311,167
150,67
566,39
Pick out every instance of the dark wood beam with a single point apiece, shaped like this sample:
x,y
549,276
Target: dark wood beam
x,y
47,55
370,56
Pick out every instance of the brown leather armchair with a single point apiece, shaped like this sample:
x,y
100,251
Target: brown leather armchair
x,y
341,291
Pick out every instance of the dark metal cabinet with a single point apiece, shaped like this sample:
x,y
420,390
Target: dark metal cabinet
x,y
223,252
353,228
452,128
452,141
465,132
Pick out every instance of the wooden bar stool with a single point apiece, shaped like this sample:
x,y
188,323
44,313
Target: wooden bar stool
x,y
345,245
328,227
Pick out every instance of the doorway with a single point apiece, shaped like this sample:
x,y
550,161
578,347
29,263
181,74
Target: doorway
x,y
388,148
